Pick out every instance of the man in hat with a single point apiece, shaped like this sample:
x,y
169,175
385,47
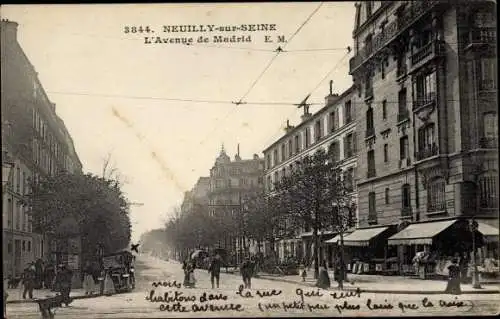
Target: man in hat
x,y
63,281
29,280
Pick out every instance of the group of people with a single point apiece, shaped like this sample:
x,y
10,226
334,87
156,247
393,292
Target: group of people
x,y
247,271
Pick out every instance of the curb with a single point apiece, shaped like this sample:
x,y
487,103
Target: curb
x,y
401,292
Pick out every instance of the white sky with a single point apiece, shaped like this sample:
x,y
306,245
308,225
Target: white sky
x,y
162,147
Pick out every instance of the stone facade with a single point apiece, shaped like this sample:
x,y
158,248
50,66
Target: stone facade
x,y
37,141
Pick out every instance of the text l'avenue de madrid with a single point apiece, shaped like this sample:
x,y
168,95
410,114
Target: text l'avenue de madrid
x,y
206,33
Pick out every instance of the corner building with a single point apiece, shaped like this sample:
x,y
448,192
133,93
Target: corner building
x,y
425,76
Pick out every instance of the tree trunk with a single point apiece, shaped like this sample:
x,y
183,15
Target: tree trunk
x,y
316,247
342,263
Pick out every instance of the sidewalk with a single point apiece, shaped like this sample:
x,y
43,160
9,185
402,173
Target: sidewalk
x,y
386,284
16,295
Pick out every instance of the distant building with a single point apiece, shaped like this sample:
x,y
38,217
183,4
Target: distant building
x,y
196,196
230,182
36,139
332,128
425,76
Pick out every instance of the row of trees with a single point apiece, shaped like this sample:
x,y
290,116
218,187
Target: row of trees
x,y
313,195
92,207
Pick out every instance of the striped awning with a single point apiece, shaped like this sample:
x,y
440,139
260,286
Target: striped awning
x,y
420,234
361,237
325,233
336,239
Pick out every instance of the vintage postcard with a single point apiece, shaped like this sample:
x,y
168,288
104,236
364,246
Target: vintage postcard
x,y
259,159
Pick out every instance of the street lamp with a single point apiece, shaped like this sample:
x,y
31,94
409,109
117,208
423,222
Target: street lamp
x,y
475,278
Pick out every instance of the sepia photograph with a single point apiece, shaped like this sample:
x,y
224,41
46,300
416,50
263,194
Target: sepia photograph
x,y
250,159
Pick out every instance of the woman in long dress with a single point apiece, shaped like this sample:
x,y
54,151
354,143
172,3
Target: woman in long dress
x,y
323,278
453,286
109,286
88,280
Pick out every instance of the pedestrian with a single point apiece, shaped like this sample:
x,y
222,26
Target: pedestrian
x,y
63,282
88,280
303,272
109,286
189,280
48,276
39,274
453,286
214,270
29,280
246,270
323,278
339,273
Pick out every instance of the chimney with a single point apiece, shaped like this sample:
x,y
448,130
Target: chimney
x,y
9,31
288,127
331,98
305,117
53,106
237,156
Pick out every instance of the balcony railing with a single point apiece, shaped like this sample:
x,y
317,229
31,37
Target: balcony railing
x,y
481,36
371,173
403,115
487,85
430,50
430,150
370,131
424,99
436,207
488,142
369,92
413,11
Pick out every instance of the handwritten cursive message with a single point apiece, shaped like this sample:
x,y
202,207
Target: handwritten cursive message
x,y
171,297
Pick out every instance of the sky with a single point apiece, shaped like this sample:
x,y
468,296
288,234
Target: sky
x,y
145,105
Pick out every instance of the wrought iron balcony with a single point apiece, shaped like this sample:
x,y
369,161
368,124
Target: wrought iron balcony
x,y
488,142
480,36
436,207
430,150
403,115
409,15
429,51
370,131
424,99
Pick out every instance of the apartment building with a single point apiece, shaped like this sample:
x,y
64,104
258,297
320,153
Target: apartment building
x,y
332,128
231,181
425,74
37,141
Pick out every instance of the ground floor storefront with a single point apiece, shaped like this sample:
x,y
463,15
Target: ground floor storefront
x,y
18,250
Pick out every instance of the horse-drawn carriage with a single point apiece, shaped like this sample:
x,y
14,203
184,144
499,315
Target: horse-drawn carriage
x,y
120,267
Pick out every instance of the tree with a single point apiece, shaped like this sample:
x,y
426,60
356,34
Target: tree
x,y
96,205
310,192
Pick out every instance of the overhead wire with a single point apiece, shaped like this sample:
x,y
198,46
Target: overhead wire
x,y
240,101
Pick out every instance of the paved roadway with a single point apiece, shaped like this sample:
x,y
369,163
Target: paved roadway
x,y
285,302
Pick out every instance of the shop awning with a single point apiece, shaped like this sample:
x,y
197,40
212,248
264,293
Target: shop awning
x,y
490,233
362,236
325,233
419,234
335,239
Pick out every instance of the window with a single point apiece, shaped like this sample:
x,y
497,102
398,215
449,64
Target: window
x,y
370,130
372,212
424,89
384,109
404,150
348,145
307,136
405,193
371,163
347,112
275,155
387,195
11,209
269,183
317,131
276,177
426,145
29,245
334,151
436,195
290,148
9,247
283,152
401,64
268,159
403,113
490,125
488,74
297,144
24,245
18,180
331,121
349,179
488,191
386,153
